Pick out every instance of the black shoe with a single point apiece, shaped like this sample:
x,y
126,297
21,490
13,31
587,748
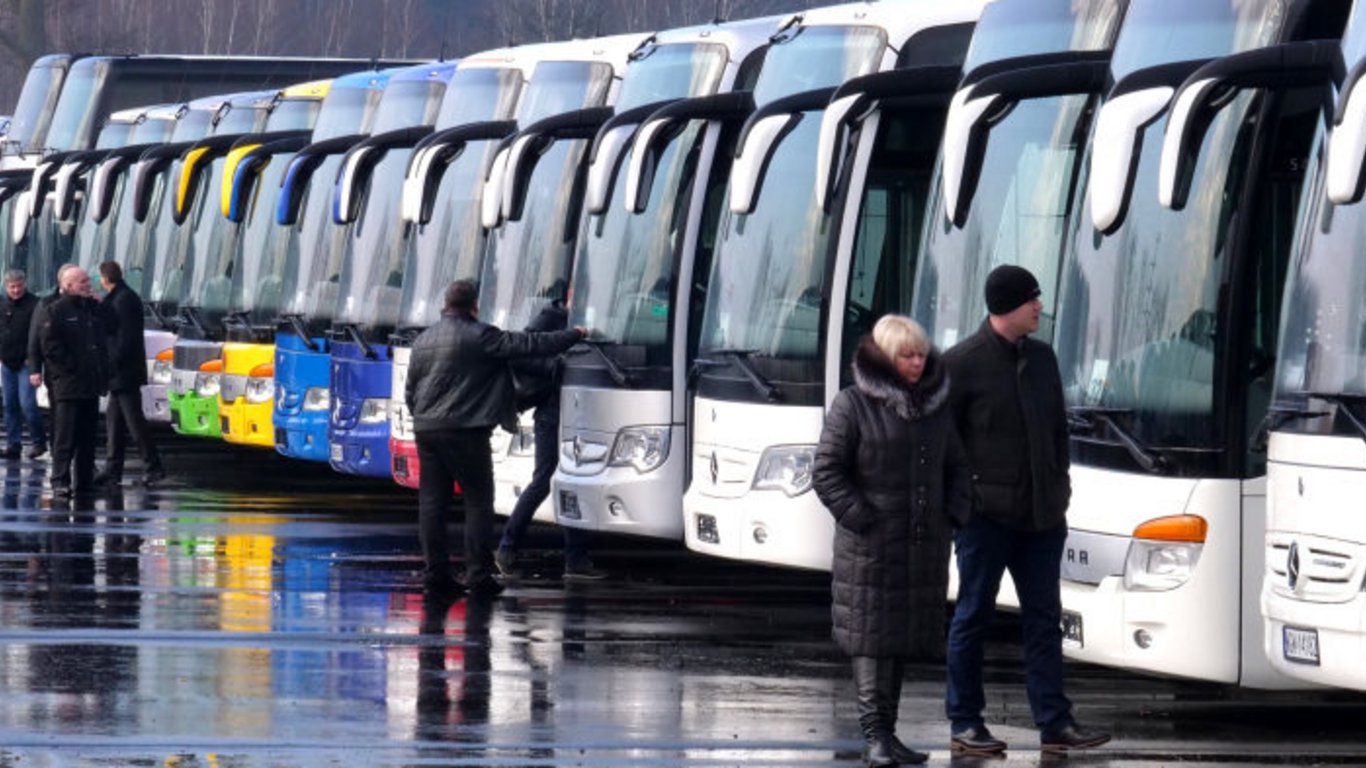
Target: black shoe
x,y
36,451
153,475
1071,737
905,755
506,562
877,752
583,572
9,454
975,740
61,491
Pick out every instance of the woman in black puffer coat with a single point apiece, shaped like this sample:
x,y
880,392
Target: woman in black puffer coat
x,y
890,469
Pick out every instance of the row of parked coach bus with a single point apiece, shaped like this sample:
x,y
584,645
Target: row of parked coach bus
x,y
730,207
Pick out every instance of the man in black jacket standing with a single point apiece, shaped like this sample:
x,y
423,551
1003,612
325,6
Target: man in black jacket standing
x,y
21,397
74,338
1008,406
459,387
128,372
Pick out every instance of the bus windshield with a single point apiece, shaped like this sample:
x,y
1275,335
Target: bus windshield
x,y
338,114
1137,317
310,285
41,92
768,276
78,108
450,245
294,115
1031,161
407,103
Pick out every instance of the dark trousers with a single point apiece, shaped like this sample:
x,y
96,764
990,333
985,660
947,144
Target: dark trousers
x,y
457,456
547,436
985,550
123,417
74,424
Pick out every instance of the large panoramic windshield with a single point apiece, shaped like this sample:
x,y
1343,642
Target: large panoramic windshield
x,y
78,108
527,264
241,118
258,284
114,135
32,114
1008,30
563,86
164,258
215,256
1137,318
372,269
450,246
768,277
345,111
668,71
1161,31
624,273
1018,216
408,103
194,125
818,57
294,115
478,94
153,130
310,287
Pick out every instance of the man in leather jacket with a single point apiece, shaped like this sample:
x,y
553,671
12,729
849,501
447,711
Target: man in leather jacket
x,y
1008,407
128,372
74,338
459,387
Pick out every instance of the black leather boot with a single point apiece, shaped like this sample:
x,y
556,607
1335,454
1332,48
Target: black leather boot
x,y
891,672
870,683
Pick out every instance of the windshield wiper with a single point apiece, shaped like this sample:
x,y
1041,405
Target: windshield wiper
x,y
1345,403
740,357
191,316
1087,416
156,314
614,369
296,322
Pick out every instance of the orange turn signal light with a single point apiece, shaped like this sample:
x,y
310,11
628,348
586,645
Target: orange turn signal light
x,y
211,366
263,371
1190,528
166,355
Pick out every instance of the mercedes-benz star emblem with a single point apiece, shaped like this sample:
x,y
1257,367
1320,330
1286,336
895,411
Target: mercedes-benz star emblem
x,y
1292,564
715,468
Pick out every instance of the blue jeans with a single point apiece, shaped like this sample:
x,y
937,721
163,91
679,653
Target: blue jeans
x,y
985,550
547,439
20,394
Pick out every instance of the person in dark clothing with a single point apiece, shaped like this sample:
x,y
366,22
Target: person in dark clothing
x,y
128,372
890,469
541,376
1007,404
459,387
21,398
74,337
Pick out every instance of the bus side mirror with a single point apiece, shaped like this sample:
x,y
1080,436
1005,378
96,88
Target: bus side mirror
x,y
300,171
1345,183
491,200
38,186
759,139
429,161
529,144
658,130
65,185
609,148
1135,102
358,166
241,168
1212,87
102,186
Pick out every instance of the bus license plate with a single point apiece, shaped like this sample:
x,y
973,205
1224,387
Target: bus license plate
x,y
338,451
1300,645
1071,629
569,506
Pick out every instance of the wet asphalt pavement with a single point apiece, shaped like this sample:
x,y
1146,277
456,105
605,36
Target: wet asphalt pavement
x,y
259,611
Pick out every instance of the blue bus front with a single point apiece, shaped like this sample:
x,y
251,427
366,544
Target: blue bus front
x,y
302,399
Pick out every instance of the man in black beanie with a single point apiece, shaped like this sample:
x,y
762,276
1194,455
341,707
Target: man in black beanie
x,y
1007,403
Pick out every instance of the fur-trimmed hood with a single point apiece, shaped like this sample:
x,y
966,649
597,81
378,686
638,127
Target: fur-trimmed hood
x,y
876,376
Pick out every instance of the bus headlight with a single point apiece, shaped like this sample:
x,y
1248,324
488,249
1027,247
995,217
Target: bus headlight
x,y
206,384
317,399
260,390
1164,553
786,468
161,372
644,448
374,410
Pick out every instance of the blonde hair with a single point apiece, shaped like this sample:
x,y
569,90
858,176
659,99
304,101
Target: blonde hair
x,y
898,335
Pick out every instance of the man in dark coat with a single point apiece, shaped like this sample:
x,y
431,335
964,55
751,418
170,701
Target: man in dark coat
x,y
35,344
21,398
890,469
459,388
538,379
127,374
1008,407
74,338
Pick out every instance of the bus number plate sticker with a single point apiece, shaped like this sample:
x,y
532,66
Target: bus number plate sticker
x,y
569,506
1300,645
1071,629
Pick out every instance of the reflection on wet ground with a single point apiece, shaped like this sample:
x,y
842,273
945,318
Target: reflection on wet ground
x,y
257,611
